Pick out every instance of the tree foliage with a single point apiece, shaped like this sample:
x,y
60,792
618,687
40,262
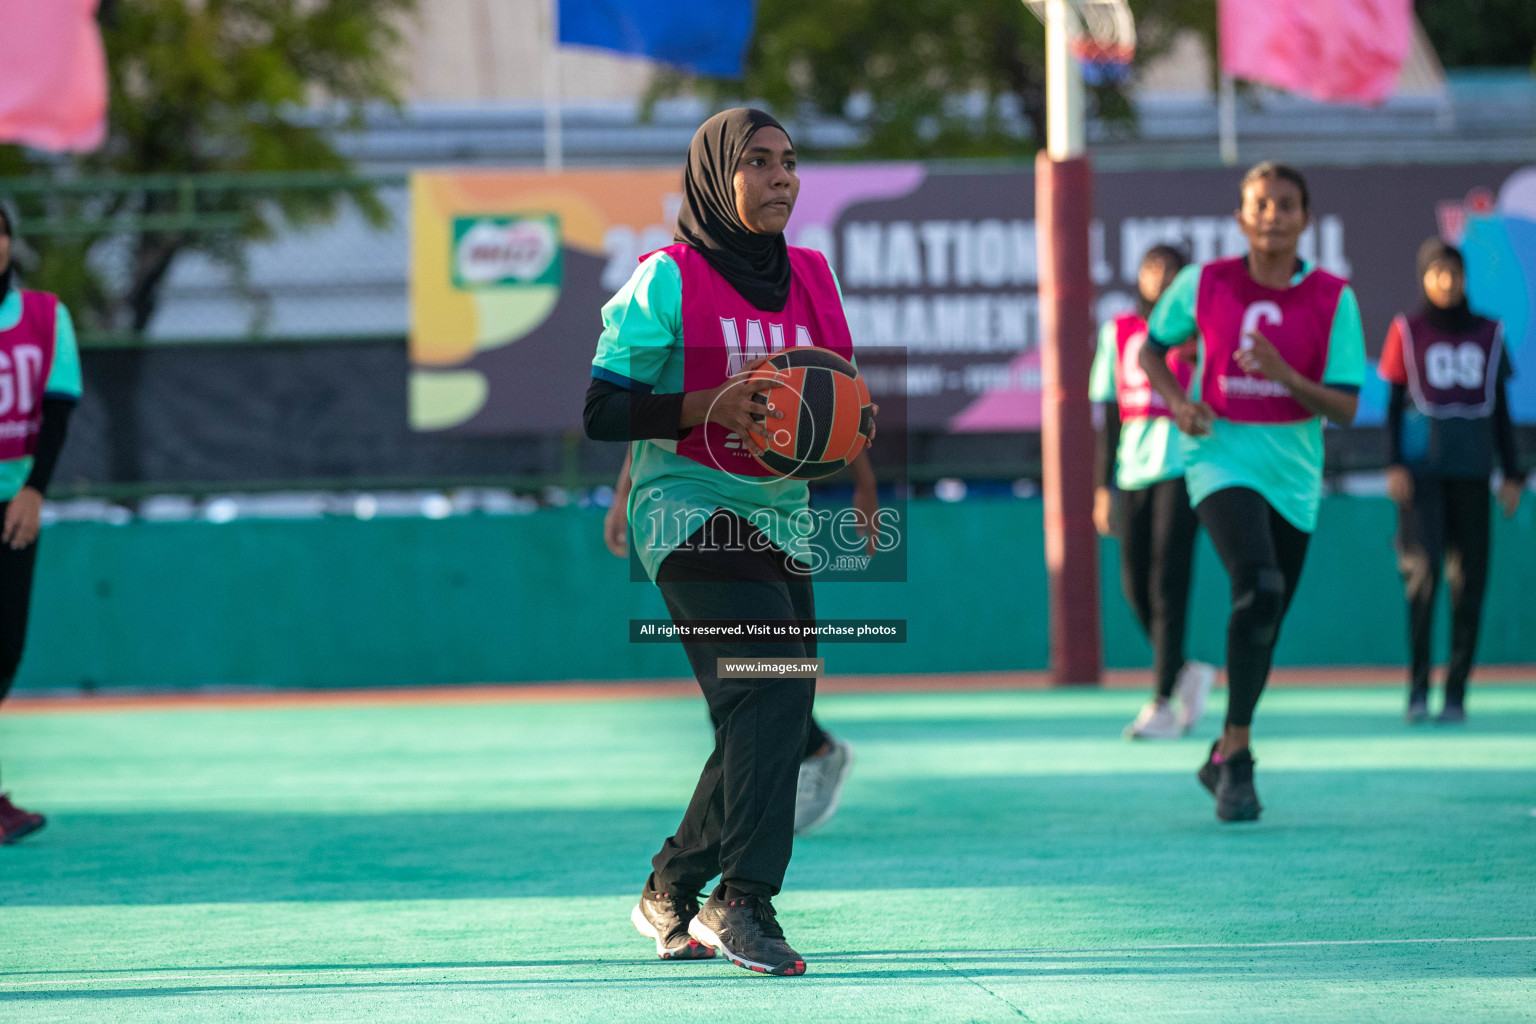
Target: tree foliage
x,y
1480,33
924,78
205,86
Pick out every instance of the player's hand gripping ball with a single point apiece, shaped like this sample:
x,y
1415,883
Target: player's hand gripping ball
x,y
828,417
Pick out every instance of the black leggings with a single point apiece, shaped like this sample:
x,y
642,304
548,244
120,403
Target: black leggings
x,y
1447,522
740,822
1157,550
1263,554
15,603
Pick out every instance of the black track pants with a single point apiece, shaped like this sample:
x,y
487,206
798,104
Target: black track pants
x,y
1263,554
740,822
15,603
1446,523
1157,550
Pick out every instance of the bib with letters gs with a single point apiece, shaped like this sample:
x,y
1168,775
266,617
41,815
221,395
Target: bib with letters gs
x,y
26,359
1452,376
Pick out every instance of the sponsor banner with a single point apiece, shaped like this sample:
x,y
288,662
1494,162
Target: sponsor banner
x,y
492,252
510,271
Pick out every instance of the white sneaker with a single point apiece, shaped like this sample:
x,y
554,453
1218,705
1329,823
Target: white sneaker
x,y
821,784
1193,688
1155,722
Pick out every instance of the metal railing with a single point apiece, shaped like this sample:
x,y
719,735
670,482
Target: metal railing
x,y
240,216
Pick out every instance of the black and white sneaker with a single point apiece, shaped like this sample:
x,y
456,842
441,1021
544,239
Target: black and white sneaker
x,y
1236,799
665,917
1210,772
748,933
1452,714
1418,709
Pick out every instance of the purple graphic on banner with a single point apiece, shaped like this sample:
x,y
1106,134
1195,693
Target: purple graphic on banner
x,y
826,192
1012,405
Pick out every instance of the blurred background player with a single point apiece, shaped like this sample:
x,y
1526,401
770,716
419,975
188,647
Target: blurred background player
x,y
665,366
39,386
1138,452
827,760
1281,349
1451,363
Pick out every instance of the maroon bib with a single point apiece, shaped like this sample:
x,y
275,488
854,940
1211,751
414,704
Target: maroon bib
x,y
1298,320
26,359
723,331
1134,394
1452,376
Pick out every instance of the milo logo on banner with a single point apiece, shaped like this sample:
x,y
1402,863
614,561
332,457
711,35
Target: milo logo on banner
x,y
491,252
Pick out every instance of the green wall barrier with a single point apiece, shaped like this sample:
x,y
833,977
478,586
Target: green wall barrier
x,y
345,602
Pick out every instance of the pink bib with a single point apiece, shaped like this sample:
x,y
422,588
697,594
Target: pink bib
x,y
26,359
1298,320
723,331
1133,392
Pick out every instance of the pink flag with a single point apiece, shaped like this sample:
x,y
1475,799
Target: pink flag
x,y
1336,50
53,75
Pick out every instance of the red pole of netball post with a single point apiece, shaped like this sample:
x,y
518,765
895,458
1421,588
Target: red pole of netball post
x,y
1063,210
1063,207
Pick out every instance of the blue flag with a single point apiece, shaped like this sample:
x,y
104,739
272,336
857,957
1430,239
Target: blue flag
x,y
707,37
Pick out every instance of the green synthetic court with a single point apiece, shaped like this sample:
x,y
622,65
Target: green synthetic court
x,y
999,856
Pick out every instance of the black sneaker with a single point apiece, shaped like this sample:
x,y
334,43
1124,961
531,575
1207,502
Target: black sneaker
x,y
665,917
1418,709
1452,714
748,933
1210,771
1236,799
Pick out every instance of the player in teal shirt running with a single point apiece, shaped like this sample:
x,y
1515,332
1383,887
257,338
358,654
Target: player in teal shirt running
x,y
1280,350
1139,453
39,385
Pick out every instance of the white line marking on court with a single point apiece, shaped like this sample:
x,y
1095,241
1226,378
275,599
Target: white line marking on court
x,y
258,972
1192,945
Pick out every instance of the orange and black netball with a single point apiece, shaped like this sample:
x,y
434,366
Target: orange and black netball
x,y
827,414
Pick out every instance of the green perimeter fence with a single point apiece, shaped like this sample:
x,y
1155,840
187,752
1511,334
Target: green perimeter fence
x,y
346,602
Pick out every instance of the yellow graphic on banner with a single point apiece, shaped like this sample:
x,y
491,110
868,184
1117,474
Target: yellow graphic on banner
x,y
487,261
